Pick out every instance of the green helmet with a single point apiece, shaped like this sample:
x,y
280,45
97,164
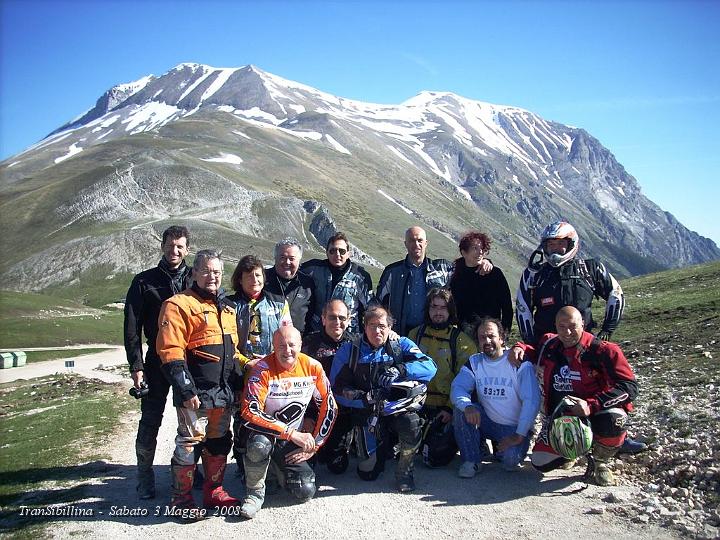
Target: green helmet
x,y
570,436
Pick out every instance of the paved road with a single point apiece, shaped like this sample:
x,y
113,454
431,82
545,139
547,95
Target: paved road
x,y
85,365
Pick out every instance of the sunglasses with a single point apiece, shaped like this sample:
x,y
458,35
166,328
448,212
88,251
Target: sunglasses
x,y
340,318
339,251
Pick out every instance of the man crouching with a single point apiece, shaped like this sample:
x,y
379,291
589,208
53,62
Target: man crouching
x,y
589,388
273,407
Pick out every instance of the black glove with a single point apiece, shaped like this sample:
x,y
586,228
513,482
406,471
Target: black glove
x,y
604,335
387,377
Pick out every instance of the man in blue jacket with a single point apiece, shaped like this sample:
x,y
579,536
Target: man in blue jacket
x,y
382,382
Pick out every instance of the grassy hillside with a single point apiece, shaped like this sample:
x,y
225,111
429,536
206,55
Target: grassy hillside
x,y
677,310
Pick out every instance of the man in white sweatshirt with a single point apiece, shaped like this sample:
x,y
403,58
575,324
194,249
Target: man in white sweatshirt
x,y
508,400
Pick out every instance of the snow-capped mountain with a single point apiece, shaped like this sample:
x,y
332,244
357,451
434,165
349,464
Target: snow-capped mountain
x,y
247,157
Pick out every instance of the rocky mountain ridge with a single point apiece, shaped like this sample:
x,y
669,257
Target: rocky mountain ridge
x,y
246,157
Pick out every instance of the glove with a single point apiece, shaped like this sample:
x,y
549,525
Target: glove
x,y
369,399
387,377
604,335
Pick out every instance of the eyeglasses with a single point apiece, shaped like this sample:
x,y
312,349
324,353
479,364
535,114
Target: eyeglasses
x,y
380,327
207,273
340,318
340,251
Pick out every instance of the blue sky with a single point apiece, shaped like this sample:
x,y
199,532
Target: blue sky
x,y
642,77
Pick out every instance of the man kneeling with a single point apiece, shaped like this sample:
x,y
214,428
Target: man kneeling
x,y
273,407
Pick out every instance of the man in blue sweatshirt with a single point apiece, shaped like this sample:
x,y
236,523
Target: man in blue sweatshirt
x,y
508,402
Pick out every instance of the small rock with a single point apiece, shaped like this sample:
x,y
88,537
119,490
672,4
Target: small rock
x,y
596,510
642,519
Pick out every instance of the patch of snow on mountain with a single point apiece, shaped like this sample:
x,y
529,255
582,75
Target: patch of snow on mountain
x,y
194,85
620,190
515,179
464,192
389,198
336,145
226,108
242,134
299,109
74,149
257,112
418,149
156,94
483,121
107,122
399,154
13,164
108,132
149,116
225,158
219,81
135,86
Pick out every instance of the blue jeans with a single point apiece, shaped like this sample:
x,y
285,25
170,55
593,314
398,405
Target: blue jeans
x,y
469,437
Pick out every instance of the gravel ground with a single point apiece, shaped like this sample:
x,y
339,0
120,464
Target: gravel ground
x,y
494,504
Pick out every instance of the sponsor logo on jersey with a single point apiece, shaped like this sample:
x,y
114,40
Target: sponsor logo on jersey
x,y
544,302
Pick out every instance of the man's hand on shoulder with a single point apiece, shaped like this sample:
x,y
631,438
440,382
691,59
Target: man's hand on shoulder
x,y
516,355
484,268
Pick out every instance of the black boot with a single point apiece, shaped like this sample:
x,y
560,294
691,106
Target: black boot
x,y
145,475
404,481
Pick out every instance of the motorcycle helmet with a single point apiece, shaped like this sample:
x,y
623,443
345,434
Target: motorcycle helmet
x,y
405,396
560,230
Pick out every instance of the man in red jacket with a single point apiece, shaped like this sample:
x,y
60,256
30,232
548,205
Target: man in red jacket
x,y
597,378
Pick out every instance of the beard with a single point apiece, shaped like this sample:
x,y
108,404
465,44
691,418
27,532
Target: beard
x,y
440,326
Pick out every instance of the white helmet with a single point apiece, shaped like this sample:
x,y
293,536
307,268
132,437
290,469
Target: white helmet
x,y
560,230
405,396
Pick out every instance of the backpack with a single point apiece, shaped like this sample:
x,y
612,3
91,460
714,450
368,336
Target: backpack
x,y
454,333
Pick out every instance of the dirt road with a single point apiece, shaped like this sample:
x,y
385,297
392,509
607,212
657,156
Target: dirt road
x,y
494,504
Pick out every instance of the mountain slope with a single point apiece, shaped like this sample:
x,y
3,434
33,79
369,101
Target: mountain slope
x,y
245,157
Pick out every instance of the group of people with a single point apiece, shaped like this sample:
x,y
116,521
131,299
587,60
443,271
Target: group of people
x,y
306,363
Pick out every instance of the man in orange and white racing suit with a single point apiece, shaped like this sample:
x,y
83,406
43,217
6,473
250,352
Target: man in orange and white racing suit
x,y
274,403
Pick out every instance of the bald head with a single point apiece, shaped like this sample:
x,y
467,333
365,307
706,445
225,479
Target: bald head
x,y
287,343
568,312
416,244
569,325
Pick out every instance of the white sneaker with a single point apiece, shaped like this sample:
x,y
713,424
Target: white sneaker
x,y
468,469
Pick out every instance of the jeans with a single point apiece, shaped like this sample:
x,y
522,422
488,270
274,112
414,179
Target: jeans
x,y
469,438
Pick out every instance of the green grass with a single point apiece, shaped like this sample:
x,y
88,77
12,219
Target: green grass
x,y
47,427
681,307
35,320
41,356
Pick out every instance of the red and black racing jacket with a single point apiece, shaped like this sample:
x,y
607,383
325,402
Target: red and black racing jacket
x,y
593,370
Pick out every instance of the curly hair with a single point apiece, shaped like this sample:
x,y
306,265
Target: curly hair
x,y
470,237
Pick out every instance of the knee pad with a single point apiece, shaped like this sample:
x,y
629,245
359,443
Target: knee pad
x,y
259,448
609,422
219,446
301,484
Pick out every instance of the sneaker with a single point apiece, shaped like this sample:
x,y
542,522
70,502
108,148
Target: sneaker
x,y
468,469
631,446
